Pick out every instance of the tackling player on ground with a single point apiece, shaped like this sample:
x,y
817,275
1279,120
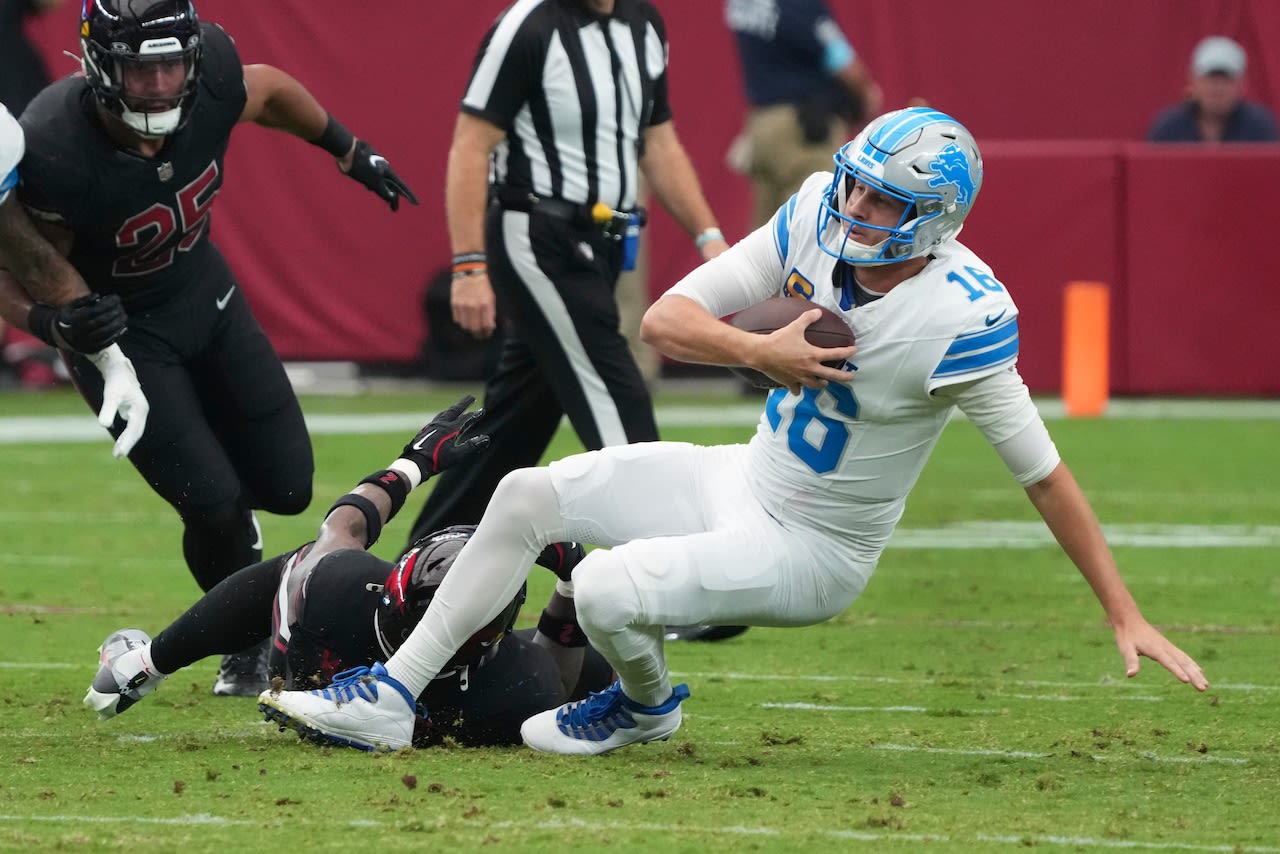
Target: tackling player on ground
x,y
330,605
787,529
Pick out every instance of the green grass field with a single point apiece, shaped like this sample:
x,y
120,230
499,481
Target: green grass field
x,y
971,700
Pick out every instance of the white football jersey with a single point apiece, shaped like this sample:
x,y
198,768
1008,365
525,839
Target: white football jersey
x,y
842,459
11,150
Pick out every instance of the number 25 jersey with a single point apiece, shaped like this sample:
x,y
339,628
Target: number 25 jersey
x,y
141,224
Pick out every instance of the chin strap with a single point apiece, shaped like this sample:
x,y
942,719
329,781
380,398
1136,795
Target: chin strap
x,y
153,125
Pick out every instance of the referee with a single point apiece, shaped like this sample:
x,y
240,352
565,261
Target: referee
x,y
566,106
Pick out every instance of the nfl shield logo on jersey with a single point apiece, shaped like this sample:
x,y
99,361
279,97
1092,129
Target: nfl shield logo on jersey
x,y
165,171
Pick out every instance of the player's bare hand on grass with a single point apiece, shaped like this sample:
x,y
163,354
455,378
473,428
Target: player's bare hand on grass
x,y
1144,639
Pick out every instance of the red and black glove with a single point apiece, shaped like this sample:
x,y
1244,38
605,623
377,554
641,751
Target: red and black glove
x,y
561,558
447,440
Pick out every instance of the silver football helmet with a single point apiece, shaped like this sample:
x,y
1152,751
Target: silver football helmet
x,y
921,156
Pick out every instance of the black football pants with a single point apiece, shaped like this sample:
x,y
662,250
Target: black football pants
x,y
225,433
563,355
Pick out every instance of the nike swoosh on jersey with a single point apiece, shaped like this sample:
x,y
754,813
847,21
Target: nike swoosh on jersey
x,y
992,321
222,301
417,446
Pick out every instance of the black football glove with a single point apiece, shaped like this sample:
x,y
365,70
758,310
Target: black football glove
x,y
372,169
86,325
444,441
561,558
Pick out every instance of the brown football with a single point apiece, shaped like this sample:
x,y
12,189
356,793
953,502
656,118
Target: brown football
x,y
829,330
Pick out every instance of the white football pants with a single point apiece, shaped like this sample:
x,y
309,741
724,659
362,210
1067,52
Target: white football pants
x,y
691,545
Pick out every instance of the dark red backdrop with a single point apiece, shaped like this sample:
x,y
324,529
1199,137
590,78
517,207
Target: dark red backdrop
x,y
334,275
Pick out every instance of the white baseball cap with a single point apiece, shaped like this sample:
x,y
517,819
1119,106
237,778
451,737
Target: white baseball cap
x,y
1218,54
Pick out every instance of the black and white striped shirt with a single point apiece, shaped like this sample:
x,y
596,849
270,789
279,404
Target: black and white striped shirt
x,y
574,92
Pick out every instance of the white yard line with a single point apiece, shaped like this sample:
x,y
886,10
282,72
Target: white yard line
x,y
1244,687
816,707
1105,684
685,831
84,428
977,534
1147,755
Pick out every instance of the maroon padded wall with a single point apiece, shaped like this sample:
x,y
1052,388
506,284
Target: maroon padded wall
x,y
1203,273
332,274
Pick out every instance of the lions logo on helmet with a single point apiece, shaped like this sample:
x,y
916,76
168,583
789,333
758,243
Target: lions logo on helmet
x,y
953,168
923,158
412,585
123,39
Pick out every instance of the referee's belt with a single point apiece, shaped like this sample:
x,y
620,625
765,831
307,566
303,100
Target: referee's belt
x,y
599,215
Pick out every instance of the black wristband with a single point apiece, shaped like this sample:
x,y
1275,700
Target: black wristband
x,y
40,320
393,483
561,630
372,518
335,139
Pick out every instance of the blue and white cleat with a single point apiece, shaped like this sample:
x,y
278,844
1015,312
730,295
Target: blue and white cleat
x,y
122,679
364,708
605,721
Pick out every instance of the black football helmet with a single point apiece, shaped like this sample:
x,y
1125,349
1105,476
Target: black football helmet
x,y
116,35
412,585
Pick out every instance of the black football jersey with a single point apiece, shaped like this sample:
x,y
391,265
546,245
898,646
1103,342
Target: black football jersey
x,y
329,614
325,617
141,224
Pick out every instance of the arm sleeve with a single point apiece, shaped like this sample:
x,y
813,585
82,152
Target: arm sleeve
x,y
747,273
755,268
1001,408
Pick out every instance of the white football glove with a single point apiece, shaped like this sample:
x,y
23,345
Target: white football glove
x,y
121,395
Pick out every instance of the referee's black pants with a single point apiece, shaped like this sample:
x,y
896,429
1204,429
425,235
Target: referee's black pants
x,y
563,355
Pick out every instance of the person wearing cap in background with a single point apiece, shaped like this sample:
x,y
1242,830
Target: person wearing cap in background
x,y
1215,109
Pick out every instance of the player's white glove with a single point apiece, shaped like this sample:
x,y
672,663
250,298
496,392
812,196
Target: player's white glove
x,y
121,395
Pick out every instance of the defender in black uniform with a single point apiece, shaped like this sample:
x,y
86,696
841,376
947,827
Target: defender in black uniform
x,y
122,168
331,606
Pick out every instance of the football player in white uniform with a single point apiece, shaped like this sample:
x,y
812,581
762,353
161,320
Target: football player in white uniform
x,y
786,529
80,321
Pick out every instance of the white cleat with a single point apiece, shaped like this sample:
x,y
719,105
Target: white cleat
x,y
605,721
364,708
122,679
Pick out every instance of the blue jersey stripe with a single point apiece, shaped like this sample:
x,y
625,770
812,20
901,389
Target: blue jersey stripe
x,y
782,229
973,341
952,366
8,182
